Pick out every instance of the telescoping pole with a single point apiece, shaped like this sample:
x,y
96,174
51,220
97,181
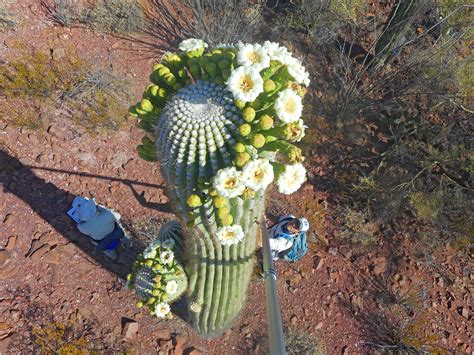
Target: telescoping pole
x,y
275,328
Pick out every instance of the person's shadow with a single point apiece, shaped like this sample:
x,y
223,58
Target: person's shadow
x,y
20,180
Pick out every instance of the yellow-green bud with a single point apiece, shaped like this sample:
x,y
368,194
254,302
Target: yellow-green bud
x,y
157,278
163,71
149,262
248,193
169,79
212,192
164,297
240,104
242,159
157,267
222,212
245,129
294,154
219,201
269,85
156,292
227,220
265,122
258,140
162,92
248,114
194,201
190,224
153,89
139,304
239,147
257,104
146,105
129,277
151,300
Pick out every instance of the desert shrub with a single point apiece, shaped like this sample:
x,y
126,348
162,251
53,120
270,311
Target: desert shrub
x,y
229,21
298,341
8,20
59,338
113,16
33,84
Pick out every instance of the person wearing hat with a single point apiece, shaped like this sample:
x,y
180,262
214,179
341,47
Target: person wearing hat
x,y
282,234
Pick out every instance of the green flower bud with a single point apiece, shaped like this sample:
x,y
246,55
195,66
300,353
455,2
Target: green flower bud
x,y
146,105
239,147
239,104
219,201
194,201
258,140
164,297
157,278
222,212
129,277
170,79
265,122
158,66
245,129
163,71
151,300
211,68
248,114
248,193
149,262
156,292
269,85
226,73
212,192
139,304
157,267
227,220
224,64
183,74
242,159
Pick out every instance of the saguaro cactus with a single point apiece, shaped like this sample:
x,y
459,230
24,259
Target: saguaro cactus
x,y
221,124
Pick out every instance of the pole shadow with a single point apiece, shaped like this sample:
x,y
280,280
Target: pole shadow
x,y
20,180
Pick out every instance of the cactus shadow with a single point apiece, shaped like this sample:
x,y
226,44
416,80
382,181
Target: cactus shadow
x,y
51,203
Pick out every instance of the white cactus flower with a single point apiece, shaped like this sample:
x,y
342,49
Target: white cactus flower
x,y
253,55
245,83
291,179
276,52
192,44
162,309
167,257
258,174
230,235
297,71
297,131
288,106
171,287
228,182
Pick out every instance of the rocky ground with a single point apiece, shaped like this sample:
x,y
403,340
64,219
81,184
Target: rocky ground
x,y
55,290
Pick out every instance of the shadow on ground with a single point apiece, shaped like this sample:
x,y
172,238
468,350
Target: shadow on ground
x,y
20,180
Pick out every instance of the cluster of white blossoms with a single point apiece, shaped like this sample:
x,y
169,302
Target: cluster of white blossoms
x,y
157,278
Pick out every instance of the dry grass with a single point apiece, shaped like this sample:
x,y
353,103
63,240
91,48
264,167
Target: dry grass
x,y
8,20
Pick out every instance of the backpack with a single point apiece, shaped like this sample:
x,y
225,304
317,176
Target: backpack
x,y
298,249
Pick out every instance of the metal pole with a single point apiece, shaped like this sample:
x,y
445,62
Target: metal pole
x,y
275,327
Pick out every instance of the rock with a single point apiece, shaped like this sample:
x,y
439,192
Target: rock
x,y
294,320
165,344
11,242
296,279
380,265
4,344
193,351
319,326
4,257
40,159
179,343
39,252
130,329
332,251
320,264
9,219
58,53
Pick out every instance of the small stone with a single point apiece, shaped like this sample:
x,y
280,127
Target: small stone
x,y
294,320
4,257
130,330
179,343
296,279
58,53
9,218
380,265
165,344
319,326
465,312
332,251
193,351
162,334
11,242
320,264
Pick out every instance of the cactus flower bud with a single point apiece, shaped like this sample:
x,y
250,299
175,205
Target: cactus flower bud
x,y
258,140
139,304
248,193
222,212
245,129
248,114
219,201
146,105
265,122
163,71
155,292
240,104
239,148
269,85
149,262
194,201
227,220
242,159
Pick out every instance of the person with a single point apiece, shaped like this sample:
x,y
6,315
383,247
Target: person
x,y
283,233
100,224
